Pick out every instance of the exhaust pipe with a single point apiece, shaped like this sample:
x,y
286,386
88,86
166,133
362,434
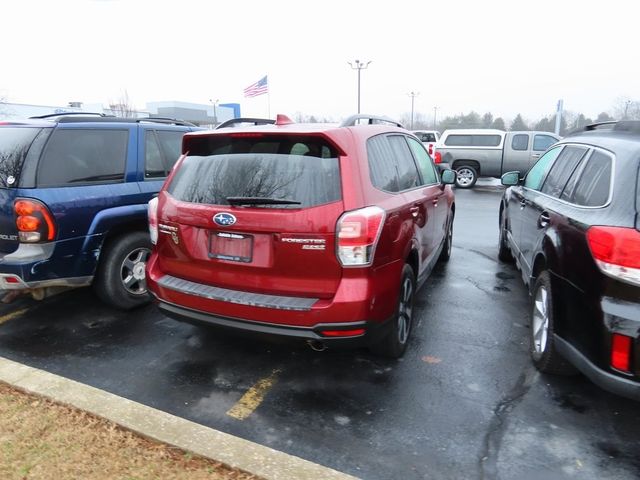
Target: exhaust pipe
x,y
316,345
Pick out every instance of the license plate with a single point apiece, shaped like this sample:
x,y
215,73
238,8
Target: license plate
x,y
234,247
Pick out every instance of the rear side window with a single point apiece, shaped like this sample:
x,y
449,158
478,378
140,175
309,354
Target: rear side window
x,y
425,164
153,164
542,142
520,142
562,169
592,188
286,168
80,156
538,172
460,140
14,146
391,165
171,145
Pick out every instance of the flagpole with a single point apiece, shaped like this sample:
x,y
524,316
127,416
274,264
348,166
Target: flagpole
x,y
268,100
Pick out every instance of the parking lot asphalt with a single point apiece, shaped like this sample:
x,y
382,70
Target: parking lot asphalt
x,y
464,402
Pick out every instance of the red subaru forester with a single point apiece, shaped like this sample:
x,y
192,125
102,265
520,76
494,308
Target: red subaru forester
x,y
312,231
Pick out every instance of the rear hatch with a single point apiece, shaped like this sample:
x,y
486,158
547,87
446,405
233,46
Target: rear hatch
x,y
15,146
254,212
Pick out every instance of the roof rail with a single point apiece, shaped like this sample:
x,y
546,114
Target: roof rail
x,y
627,126
371,120
62,114
167,120
255,121
599,125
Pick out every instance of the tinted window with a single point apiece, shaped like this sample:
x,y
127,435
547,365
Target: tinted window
x,y
520,142
425,164
171,145
408,176
426,137
382,170
304,170
542,142
76,156
592,189
14,145
459,140
538,172
561,170
153,164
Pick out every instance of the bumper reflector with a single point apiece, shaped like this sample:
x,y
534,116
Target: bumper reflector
x,y
343,333
621,352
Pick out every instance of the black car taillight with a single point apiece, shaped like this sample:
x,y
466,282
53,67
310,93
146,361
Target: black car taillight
x,y
34,221
616,251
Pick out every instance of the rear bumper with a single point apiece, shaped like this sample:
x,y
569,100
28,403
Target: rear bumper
x,y
364,300
55,264
372,331
625,387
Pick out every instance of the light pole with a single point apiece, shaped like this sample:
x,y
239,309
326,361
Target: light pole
x,y
359,66
215,112
435,110
413,96
626,108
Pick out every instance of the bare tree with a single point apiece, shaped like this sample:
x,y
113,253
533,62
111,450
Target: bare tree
x,y
626,108
122,107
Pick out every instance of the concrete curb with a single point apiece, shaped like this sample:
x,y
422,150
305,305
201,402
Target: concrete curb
x,y
233,451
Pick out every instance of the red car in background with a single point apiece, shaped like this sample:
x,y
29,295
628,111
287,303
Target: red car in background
x,y
313,231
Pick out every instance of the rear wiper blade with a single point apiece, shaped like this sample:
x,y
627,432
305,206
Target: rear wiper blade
x,y
260,201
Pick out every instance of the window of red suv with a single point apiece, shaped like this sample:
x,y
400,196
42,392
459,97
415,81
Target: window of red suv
x,y
276,167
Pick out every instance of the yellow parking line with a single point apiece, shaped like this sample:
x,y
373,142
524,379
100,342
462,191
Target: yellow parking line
x,y
253,397
12,315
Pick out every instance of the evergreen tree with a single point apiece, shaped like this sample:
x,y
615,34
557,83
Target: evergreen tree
x,y
518,124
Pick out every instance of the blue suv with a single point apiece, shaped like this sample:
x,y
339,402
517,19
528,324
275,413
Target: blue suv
x,y
73,202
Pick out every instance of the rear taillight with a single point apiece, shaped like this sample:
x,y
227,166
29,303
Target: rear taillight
x,y
616,251
621,352
437,158
34,221
152,211
357,234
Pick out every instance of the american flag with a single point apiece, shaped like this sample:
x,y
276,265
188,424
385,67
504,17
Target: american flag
x,y
258,88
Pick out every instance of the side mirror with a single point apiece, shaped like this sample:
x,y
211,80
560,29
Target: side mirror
x,y
448,177
510,178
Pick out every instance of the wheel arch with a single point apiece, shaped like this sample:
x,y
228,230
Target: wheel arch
x,y
467,163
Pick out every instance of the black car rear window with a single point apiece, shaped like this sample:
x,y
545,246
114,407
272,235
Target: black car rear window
x,y
304,170
14,146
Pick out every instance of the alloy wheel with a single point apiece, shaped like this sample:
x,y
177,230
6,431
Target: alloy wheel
x,y
540,321
405,310
465,176
132,271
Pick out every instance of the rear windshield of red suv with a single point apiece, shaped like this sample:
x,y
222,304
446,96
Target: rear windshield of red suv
x,y
298,169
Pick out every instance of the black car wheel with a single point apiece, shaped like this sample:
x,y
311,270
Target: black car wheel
x,y
121,280
394,344
504,252
543,352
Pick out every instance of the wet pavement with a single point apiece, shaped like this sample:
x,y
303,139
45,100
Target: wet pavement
x,y
464,402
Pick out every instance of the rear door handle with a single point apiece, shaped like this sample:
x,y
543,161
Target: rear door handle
x,y
523,203
543,220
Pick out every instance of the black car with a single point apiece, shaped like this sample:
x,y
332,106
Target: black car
x,y
572,225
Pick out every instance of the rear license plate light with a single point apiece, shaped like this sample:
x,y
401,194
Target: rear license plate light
x,y
233,247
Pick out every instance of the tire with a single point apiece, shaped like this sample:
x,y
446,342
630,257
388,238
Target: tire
x,y
445,255
466,176
504,252
394,344
542,348
120,279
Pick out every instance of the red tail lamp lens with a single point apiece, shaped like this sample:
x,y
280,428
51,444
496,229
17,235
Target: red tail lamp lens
x,y
27,223
621,352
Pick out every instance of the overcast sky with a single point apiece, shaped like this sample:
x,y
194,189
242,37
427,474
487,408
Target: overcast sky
x,y
500,56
